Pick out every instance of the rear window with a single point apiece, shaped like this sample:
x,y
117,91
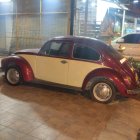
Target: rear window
x,y
86,53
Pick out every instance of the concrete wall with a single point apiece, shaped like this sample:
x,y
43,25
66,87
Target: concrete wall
x,y
29,23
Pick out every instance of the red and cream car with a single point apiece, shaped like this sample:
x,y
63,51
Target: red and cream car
x,y
75,62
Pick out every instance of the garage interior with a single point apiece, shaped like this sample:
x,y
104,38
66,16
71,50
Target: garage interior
x,y
40,112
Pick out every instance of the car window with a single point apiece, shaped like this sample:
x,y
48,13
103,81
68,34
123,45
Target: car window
x,y
54,48
60,49
86,53
65,49
132,38
45,49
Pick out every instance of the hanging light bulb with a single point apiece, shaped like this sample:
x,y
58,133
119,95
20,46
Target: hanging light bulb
x,y
83,1
135,1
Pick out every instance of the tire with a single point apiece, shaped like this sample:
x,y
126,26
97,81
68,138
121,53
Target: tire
x,y
102,90
13,75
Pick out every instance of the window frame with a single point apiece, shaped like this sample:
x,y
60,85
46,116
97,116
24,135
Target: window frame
x,y
57,56
41,52
79,59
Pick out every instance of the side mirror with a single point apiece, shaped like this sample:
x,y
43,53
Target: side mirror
x,y
120,40
121,48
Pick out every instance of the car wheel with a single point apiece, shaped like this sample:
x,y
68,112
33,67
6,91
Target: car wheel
x,y
102,90
13,76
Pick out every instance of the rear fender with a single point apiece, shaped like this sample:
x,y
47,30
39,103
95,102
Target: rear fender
x,y
24,66
108,74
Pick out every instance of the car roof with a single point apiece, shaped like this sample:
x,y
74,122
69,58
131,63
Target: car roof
x,y
74,38
83,40
125,36
130,34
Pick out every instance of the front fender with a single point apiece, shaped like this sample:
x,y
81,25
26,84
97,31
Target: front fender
x,y
24,66
109,74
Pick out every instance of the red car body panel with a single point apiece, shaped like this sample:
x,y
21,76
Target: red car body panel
x,y
110,74
24,66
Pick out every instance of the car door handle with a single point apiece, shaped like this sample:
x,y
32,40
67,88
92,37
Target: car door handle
x,y
64,62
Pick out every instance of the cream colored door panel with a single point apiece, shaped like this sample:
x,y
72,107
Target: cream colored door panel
x,y
52,69
78,70
31,59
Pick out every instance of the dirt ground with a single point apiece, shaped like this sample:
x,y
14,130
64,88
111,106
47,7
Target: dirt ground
x,y
38,112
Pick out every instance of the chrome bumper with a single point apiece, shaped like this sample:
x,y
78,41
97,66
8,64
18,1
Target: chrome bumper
x,y
134,91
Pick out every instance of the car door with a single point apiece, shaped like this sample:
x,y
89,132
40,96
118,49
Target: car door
x,y
132,46
53,62
84,60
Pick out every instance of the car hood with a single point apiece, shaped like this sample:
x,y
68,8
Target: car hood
x,y
28,51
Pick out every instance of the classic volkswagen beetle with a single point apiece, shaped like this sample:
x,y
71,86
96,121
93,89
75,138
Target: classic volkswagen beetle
x,y
75,62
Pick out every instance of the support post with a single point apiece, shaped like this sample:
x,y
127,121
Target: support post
x,y
86,17
123,23
40,22
135,24
72,10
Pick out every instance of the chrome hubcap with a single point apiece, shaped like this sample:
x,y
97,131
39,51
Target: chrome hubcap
x,y
13,76
102,91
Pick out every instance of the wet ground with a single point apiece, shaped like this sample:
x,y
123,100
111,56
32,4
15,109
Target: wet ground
x,y
38,112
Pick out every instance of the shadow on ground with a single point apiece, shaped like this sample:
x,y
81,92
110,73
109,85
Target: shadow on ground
x,y
71,114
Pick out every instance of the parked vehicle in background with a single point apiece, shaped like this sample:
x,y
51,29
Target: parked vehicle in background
x,y
128,45
85,64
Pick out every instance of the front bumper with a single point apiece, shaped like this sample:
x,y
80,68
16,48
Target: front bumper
x,y
134,91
